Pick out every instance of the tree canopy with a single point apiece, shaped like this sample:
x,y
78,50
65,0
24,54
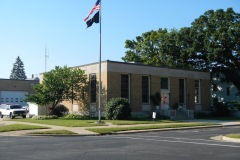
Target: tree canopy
x,y
211,43
58,85
18,71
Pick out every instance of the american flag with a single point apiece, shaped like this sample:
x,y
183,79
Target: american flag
x,y
95,7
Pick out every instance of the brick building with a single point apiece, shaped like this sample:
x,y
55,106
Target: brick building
x,y
137,82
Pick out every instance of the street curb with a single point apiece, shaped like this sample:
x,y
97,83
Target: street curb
x,y
60,135
230,139
169,129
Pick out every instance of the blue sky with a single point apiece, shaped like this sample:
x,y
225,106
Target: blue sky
x,y
28,26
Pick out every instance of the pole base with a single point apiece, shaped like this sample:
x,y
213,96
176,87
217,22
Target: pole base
x,y
99,122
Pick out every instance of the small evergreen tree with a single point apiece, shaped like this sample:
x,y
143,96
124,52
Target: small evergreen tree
x,y
18,71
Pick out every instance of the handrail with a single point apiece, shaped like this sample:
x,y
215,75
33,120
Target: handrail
x,y
184,110
187,112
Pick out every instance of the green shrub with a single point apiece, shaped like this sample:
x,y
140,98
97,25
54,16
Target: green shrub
x,y
118,109
80,117
175,106
156,99
74,116
221,109
162,117
141,117
233,105
44,117
60,110
202,115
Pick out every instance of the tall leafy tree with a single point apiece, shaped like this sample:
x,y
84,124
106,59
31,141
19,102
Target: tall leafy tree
x,y
216,43
58,85
18,71
146,49
212,43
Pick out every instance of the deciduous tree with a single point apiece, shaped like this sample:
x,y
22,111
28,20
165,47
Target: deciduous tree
x,y
212,43
58,85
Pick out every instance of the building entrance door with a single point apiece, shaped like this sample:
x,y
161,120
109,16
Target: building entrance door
x,y
165,101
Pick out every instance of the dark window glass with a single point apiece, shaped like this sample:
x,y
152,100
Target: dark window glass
x,y
164,83
145,89
93,87
125,86
215,87
181,91
228,91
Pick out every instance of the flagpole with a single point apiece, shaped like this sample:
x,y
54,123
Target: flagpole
x,y
100,64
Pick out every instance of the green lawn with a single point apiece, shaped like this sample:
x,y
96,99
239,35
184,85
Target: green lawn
x,y
62,122
54,132
17,127
222,118
134,122
233,136
158,126
89,123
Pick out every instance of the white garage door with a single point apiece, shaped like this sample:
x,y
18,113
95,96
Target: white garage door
x,y
13,97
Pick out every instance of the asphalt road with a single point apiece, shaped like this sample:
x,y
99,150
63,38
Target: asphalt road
x,y
168,145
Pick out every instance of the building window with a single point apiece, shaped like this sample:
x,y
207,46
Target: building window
x,y
228,91
181,91
16,100
145,89
93,88
197,91
7,99
215,100
21,100
11,99
125,86
215,87
164,83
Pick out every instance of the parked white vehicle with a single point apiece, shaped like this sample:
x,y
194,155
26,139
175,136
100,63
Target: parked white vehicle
x,y
12,110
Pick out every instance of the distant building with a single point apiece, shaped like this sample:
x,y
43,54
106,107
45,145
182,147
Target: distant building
x,y
137,82
223,90
14,91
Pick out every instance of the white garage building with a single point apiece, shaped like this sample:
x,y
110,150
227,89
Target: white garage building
x,y
15,91
13,97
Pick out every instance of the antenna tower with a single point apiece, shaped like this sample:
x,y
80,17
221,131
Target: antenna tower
x,y
46,57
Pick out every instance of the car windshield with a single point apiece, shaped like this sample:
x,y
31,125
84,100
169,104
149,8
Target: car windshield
x,y
16,107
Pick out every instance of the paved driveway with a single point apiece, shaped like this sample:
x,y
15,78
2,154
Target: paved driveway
x,y
168,145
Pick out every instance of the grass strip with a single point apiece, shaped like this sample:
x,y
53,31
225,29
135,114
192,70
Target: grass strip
x,y
149,127
18,127
134,122
63,122
233,136
90,123
54,132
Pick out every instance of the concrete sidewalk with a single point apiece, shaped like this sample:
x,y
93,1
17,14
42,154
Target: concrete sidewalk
x,y
81,131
